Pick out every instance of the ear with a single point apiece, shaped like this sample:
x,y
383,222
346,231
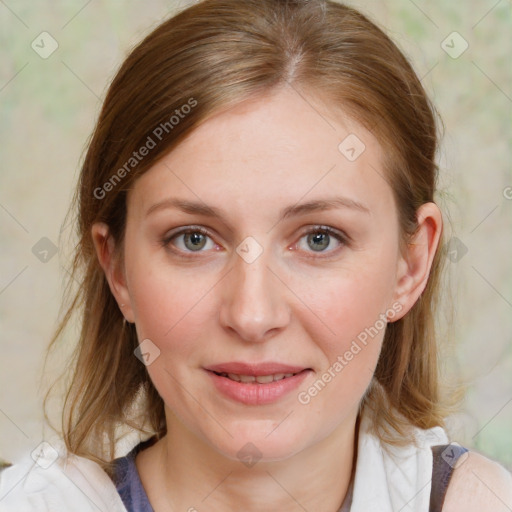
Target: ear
x,y
414,266
105,251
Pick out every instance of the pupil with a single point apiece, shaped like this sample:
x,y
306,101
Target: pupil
x,y
197,240
319,238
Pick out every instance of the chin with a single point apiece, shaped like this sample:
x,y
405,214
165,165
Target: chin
x,y
252,445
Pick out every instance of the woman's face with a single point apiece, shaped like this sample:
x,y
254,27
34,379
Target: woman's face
x,y
298,267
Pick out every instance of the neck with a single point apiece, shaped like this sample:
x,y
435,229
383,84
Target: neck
x,y
182,472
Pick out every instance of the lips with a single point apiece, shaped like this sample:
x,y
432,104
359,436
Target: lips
x,y
256,384
258,379
255,369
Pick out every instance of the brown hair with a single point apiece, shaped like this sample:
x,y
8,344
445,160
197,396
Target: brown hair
x,y
211,56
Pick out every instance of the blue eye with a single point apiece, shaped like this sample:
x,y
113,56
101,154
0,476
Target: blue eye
x,y
192,240
195,239
319,238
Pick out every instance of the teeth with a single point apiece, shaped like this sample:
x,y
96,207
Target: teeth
x,y
260,379
264,379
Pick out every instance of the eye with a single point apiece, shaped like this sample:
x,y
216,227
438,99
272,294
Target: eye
x,y
191,239
320,238
194,239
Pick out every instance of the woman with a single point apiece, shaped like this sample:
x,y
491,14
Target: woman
x,y
260,258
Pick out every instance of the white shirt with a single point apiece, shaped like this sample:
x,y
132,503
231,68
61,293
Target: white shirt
x,y
387,478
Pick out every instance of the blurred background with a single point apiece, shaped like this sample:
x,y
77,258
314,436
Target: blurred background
x,y
56,61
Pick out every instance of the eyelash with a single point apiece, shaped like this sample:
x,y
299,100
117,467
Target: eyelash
x,y
342,238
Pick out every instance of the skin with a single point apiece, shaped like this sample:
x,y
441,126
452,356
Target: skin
x,y
479,484
292,304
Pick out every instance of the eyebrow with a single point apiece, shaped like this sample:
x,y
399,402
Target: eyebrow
x,y
199,208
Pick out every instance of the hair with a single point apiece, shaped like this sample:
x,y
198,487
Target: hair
x,y
212,56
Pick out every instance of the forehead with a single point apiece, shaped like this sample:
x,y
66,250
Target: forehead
x,y
270,150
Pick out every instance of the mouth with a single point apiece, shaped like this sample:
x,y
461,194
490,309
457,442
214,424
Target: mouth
x,y
256,383
258,388
262,369
257,379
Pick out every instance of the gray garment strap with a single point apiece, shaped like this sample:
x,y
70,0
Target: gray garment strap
x,y
128,483
445,457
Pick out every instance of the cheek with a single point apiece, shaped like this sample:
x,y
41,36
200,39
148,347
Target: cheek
x,y
345,301
348,325
350,341
354,318
169,306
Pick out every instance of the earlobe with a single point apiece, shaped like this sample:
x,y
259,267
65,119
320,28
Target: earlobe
x,y
415,263
105,252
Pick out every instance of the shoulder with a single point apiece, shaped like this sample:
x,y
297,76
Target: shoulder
x,y
477,485
61,482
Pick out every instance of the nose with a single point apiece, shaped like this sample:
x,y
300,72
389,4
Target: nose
x,y
254,300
